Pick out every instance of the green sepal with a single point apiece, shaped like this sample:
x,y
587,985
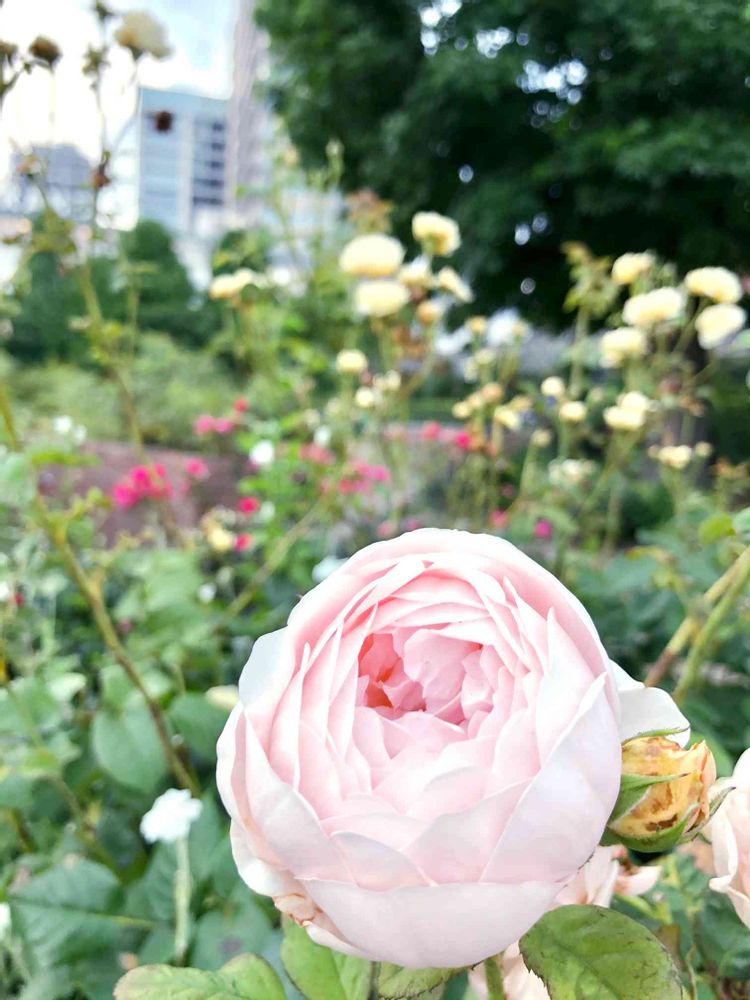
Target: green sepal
x,y
649,733
660,842
633,789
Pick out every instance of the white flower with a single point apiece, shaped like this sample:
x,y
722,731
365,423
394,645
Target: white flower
x,y
461,410
365,398
573,411
553,386
206,593
630,266
223,696
570,472
622,344
5,591
541,437
654,307
416,274
504,328
677,456
717,323
630,413
351,362
448,345
171,816
4,921
507,417
62,425
267,511
325,567
440,234
229,286
477,325
715,283
142,33
322,436
389,381
263,453
380,298
372,256
279,276
450,281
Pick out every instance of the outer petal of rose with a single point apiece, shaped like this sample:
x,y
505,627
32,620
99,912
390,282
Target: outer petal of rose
x,y
441,926
329,939
640,881
579,778
727,862
646,710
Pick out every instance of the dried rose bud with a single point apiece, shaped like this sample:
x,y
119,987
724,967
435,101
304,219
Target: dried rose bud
x,y
45,50
664,793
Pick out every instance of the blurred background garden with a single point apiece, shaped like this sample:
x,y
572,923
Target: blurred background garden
x,y
281,278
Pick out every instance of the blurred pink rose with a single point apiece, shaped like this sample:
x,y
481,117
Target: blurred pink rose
x,y
729,833
248,505
242,541
499,519
196,468
543,529
607,872
429,751
142,482
462,440
204,424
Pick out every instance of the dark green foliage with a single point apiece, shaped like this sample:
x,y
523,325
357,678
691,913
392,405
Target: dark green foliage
x,y
646,148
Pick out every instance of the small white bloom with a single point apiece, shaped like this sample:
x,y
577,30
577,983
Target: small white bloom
x,y
62,424
553,386
263,453
5,592
573,411
171,816
4,921
372,256
142,33
623,344
380,298
715,283
541,437
322,436
229,286
325,567
505,328
440,234
621,419
570,472
416,274
676,456
448,345
652,308
351,362
267,511
279,276
507,417
717,324
461,410
450,281
429,312
630,266
365,398
223,696
206,593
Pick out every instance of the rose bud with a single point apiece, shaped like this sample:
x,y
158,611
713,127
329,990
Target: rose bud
x,y
665,794
45,50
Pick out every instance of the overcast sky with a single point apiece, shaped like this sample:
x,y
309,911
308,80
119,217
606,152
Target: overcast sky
x,y
199,31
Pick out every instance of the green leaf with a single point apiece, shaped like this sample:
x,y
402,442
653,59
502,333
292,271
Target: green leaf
x,y
69,913
198,721
589,951
246,977
715,527
16,480
395,983
322,974
220,934
127,747
723,939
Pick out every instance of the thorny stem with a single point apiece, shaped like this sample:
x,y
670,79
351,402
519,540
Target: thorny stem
x,y
91,592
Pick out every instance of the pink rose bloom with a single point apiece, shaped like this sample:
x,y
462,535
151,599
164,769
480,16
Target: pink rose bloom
x,y
543,529
429,751
124,495
317,454
204,424
462,440
430,431
498,519
240,405
729,833
604,874
242,541
196,468
375,473
223,425
248,505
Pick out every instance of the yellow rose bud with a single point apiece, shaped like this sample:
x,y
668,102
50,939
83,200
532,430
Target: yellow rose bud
x,y
429,312
664,793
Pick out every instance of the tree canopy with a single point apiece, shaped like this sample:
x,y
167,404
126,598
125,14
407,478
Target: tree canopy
x,y
621,123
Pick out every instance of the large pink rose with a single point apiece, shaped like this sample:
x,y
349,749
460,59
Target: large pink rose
x,y
729,833
429,751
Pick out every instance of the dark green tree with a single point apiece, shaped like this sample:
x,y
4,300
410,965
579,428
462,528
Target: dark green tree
x,y
622,123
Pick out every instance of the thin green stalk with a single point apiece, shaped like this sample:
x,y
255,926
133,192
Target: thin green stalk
x,y
581,334
182,891
494,976
707,634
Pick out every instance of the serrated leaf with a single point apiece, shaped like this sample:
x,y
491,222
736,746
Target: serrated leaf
x,y
322,974
589,951
397,983
247,977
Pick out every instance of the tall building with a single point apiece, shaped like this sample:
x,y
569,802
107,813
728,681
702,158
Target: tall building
x,y
181,155
249,127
